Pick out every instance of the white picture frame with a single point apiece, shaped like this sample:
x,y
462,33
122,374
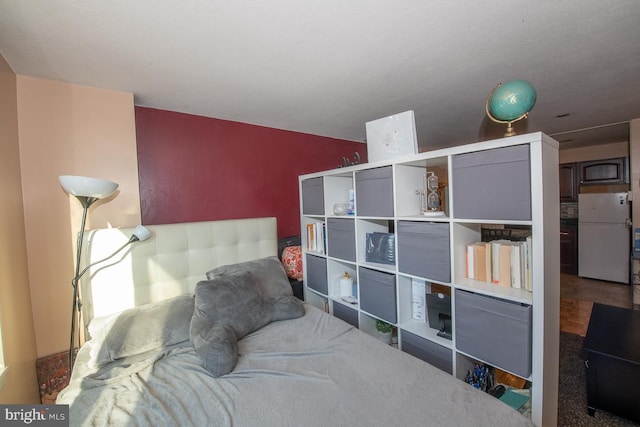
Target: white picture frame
x,y
392,137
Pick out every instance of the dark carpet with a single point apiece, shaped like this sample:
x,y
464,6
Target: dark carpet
x,y
572,389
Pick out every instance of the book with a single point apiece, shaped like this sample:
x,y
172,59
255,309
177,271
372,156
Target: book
x,y
319,234
495,261
310,237
488,261
516,265
478,260
504,264
528,264
501,262
418,300
316,237
324,237
470,262
513,399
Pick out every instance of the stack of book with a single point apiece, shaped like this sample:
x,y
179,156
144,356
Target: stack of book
x,y
503,262
316,237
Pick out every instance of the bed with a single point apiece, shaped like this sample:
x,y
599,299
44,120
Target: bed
x,y
142,364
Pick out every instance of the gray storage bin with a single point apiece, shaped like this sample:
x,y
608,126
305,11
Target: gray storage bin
x,y
341,238
492,184
345,313
374,192
313,196
423,249
317,273
426,350
378,293
494,330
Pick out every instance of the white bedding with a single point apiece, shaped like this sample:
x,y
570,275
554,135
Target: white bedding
x,y
312,371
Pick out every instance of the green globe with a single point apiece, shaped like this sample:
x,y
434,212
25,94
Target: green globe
x,y
510,100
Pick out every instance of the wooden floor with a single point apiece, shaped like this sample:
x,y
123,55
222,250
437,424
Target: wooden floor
x,y
577,296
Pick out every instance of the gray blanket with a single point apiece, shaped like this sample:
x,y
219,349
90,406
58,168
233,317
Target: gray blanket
x,y
312,371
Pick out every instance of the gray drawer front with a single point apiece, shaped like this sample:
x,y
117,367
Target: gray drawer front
x,y
492,184
374,192
378,293
345,313
494,330
313,196
317,273
423,249
426,350
341,238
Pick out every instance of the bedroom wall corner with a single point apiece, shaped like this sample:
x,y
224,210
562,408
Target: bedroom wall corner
x,y
76,130
18,337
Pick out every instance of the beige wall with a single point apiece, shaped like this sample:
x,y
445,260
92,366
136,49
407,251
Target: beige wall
x,y
15,301
595,152
69,129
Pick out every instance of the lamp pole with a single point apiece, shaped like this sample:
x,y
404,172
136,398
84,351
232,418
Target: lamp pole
x,y
75,307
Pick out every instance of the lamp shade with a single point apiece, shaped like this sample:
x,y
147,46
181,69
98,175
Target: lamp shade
x,y
141,233
83,186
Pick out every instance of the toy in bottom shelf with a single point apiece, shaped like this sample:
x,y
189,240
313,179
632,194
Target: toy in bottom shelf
x,y
482,377
486,378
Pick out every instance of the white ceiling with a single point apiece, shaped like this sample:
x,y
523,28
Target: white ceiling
x,y
327,67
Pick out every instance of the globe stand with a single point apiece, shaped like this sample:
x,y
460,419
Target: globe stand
x,y
510,131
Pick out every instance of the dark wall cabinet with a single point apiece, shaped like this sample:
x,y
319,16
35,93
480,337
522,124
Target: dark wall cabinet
x,y
568,182
568,249
608,171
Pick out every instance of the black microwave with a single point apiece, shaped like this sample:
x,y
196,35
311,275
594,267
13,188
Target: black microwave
x,y
608,171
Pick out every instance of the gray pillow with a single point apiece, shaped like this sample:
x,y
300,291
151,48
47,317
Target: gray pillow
x,y
227,308
142,329
268,272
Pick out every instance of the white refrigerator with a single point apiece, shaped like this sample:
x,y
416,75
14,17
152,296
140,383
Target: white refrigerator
x,y
604,236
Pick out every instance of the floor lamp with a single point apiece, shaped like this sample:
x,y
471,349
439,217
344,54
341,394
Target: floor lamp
x,y
89,190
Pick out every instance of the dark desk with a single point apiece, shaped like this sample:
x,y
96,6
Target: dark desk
x,y
612,345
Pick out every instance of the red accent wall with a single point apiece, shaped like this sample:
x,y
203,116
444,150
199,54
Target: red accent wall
x,y
195,168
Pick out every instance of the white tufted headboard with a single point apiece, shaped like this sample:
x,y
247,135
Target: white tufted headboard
x,y
170,263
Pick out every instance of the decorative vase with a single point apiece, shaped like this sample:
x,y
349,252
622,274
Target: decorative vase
x,y
384,337
346,285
